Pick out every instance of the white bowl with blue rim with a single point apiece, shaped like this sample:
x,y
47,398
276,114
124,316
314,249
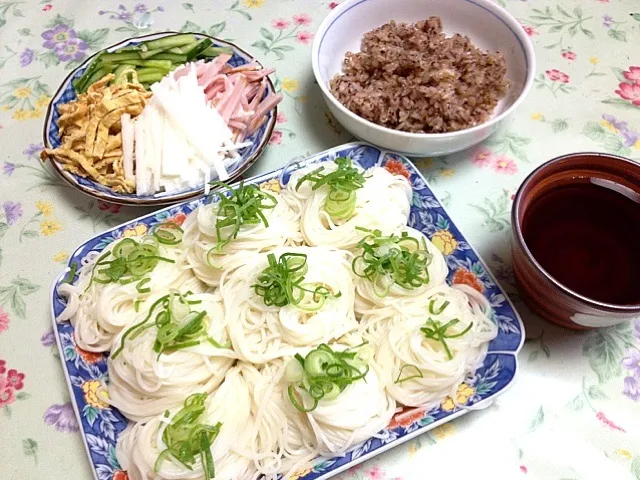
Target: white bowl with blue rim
x,y
489,26
247,155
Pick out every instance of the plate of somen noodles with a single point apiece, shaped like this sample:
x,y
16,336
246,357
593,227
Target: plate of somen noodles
x,y
288,326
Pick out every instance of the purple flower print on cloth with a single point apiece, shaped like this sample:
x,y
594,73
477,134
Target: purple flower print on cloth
x,y
48,339
632,388
140,8
607,21
630,137
74,49
8,168
26,57
32,149
61,417
12,212
632,362
59,35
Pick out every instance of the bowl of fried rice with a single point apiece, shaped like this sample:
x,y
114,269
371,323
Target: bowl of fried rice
x,y
422,78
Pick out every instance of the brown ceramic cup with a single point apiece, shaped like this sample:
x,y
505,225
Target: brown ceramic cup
x,y
540,291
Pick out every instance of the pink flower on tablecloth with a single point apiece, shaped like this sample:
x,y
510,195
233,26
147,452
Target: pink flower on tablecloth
x,y
630,91
557,76
47,7
280,23
7,393
276,138
505,165
569,55
62,417
281,118
529,30
3,366
482,157
633,74
4,321
15,379
603,418
304,37
302,19
110,207
523,469
375,473
333,5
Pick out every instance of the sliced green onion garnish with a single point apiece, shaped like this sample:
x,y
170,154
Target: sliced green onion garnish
x,y
435,330
343,183
140,286
169,233
323,374
386,260
71,274
244,206
280,284
127,262
408,372
188,438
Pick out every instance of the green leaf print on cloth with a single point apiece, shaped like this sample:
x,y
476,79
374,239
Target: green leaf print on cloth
x,y
11,296
605,349
30,448
496,212
561,20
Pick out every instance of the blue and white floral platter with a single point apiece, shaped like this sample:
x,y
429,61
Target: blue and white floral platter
x,y
84,371
246,156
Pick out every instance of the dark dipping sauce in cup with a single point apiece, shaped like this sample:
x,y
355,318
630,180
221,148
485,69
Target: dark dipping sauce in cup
x,y
587,237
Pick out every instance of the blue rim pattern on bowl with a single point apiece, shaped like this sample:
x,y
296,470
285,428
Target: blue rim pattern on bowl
x,y
100,425
247,155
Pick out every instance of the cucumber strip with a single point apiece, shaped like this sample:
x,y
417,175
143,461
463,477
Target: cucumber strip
x,y
198,48
172,57
215,51
82,85
166,43
150,77
150,53
177,50
97,75
118,56
151,63
119,72
145,71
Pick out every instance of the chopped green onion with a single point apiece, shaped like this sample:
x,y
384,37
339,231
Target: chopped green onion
x,y
280,284
243,206
388,260
343,183
169,233
323,374
131,261
140,287
414,373
188,437
71,274
435,330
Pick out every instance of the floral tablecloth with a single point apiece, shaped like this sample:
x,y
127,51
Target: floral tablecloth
x,y
574,412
